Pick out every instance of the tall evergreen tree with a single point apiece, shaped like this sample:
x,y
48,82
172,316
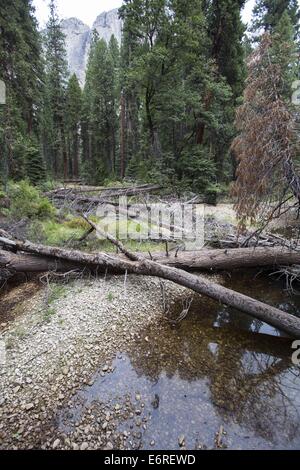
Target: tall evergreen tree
x,y
129,101
267,14
21,69
99,113
54,137
73,117
226,31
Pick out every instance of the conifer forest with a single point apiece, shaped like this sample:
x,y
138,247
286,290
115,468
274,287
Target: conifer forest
x,y
149,227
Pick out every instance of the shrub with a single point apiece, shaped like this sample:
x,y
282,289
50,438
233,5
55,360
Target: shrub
x,y
27,201
80,223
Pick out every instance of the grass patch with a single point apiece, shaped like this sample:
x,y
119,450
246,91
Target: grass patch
x,y
48,314
57,291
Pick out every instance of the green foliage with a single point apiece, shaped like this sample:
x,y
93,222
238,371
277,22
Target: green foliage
x,y
284,54
27,201
56,292
183,74
35,165
22,71
48,314
267,14
198,170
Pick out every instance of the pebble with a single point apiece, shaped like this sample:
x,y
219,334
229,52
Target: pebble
x,y
56,444
29,406
109,446
84,446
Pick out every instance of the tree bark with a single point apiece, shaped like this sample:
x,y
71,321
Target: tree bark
x,y
122,137
142,266
206,260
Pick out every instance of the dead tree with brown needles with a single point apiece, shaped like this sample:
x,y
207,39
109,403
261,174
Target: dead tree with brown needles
x,y
266,146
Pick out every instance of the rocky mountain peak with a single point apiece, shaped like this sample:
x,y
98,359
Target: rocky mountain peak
x,y
78,38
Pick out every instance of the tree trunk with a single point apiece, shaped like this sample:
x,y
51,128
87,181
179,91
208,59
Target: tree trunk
x,y
122,137
206,260
136,264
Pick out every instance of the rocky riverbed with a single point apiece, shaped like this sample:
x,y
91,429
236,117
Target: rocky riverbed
x,y
100,364
65,334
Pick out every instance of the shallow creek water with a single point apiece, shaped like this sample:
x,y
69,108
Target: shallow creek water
x,y
218,370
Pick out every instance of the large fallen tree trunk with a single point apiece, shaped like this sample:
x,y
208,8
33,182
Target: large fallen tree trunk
x,y
205,260
137,264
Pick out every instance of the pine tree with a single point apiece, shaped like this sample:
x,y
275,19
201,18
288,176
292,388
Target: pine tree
x,y
99,113
114,53
73,117
267,14
22,71
35,165
130,105
284,54
266,143
226,31
55,96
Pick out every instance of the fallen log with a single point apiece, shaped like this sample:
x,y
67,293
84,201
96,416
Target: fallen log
x,y
204,260
75,194
137,264
26,263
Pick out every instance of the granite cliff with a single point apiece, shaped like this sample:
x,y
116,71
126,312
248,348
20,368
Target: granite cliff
x,y
78,38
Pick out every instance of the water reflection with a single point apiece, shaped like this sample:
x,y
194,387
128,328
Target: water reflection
x,y
216,368
250,378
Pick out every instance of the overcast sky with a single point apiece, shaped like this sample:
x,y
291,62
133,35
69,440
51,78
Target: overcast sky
x,y
88,10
